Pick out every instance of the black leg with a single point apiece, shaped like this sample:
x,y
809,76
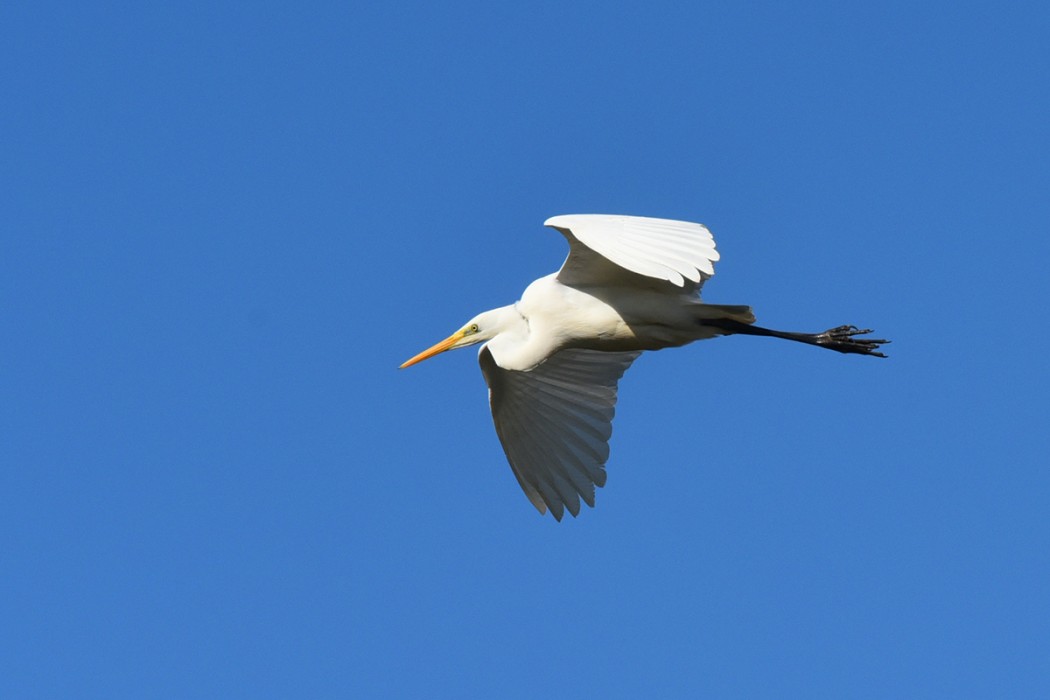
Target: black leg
x,y
839,339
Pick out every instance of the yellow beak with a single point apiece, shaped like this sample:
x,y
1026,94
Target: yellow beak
x,y
434,350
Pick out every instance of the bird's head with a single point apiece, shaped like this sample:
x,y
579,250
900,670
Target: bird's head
x,y
482,327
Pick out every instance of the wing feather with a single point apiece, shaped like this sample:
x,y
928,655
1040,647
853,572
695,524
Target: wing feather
x,y
579,452
571,466
671,258
544,480
635,250
587,426
533,483
554,422
557,470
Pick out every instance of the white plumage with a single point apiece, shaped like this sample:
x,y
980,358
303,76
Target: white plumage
x,y
674,251
553,359
555,421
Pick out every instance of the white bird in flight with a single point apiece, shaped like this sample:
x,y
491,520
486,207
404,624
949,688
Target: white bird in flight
x,y
553,359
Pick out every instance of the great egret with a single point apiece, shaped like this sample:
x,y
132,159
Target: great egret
x,y
553,359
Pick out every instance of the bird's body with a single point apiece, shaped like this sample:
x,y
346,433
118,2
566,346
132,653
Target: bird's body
x,y
553,316
552,360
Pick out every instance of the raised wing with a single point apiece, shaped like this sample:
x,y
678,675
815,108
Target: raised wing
x,y
555,421
603,248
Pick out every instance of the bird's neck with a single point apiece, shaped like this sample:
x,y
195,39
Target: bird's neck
x,y
514,346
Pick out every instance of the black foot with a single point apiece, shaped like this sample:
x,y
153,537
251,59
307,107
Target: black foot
x,y
842,339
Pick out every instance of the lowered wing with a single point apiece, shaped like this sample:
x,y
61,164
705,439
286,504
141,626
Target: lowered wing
x,y
554,422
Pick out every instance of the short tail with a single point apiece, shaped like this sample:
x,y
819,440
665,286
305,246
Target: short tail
x,y
713,320
710,312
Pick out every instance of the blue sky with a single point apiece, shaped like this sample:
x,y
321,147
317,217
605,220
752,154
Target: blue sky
x,y
224,225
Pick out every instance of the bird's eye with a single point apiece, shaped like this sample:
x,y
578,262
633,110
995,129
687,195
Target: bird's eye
x,y
473,328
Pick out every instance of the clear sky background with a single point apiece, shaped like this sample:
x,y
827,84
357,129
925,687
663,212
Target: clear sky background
x,y
224,225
